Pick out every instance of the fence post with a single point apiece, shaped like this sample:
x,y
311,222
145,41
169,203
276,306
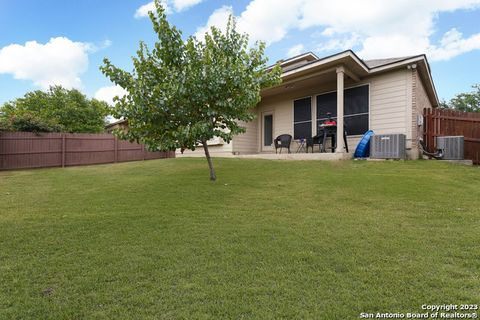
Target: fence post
x,y
2,159
115,148
144,151
427,125
63,150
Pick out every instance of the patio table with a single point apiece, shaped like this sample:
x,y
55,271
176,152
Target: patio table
x,y
331,131
301,145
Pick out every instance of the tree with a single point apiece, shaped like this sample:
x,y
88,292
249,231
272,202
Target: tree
x,y
467,101
28,122
57,109
183,93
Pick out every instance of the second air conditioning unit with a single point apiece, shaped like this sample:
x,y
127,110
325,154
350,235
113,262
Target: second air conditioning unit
x,y
450,147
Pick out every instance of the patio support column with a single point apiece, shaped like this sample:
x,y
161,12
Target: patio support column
x,y
340,88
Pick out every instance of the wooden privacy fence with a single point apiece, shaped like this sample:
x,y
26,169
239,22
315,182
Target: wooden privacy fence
x,y
19,150
446,122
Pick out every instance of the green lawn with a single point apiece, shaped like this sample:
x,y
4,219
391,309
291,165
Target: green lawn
x,y
268,240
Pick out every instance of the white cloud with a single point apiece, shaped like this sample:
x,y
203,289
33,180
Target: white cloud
x,y
328,32
92,48
105,44
376,28
143,11
181,5
60,61
296,50
340,44
385,28
219,19
263,20
394,45
453,44
108,93
268,20
178,5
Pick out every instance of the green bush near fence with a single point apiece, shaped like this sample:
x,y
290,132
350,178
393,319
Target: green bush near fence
x,y
269,240
55,110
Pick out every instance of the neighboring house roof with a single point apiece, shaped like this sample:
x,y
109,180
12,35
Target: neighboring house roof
x,y
357,68
118,122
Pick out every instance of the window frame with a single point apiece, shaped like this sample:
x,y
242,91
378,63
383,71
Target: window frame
x,y
350,115
312,115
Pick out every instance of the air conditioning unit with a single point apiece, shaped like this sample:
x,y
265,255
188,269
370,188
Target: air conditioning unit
x,y
388,146
450,147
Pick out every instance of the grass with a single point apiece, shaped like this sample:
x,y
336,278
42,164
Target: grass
x,y
268,240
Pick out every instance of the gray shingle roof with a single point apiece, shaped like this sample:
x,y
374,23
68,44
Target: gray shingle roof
x,y
380,62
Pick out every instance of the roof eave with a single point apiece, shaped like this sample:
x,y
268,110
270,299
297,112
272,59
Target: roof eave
x,y
370,71
294,58
328,59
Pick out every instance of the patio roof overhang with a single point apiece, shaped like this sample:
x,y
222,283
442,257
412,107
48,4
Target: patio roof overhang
x,y
324,70
320,71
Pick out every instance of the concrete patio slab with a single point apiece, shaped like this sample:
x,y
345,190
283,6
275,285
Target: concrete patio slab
x,y
327,156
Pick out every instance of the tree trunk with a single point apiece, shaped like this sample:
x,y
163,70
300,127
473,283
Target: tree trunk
x,y
213,177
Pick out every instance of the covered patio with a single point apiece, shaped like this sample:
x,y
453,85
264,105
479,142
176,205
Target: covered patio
x,y
310,90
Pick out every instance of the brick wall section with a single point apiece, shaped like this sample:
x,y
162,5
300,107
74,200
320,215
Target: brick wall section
x,y
414,109
420,101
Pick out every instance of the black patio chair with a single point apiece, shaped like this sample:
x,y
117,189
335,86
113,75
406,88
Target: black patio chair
x,y
312,141
282,141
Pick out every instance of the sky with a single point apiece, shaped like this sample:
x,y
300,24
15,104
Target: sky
x,y
58,42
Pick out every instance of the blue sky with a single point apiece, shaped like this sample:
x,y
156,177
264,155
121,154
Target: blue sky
x,y
63,42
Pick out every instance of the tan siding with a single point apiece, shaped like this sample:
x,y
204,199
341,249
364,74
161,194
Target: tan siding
x,y
247,142
215,150
388,102
394,94
282,119
393,107
385,116
391,84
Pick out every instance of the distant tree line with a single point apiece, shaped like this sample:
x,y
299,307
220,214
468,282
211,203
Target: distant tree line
x,y
54,110
466,101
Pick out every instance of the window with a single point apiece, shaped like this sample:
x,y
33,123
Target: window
x,y
355,109
268,129
326,103
302,118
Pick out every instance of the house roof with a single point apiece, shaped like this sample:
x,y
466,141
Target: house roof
x,y
304,57
357,67
118,122
381,62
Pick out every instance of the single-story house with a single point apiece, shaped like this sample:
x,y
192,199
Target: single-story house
x,y
383,95
118,124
